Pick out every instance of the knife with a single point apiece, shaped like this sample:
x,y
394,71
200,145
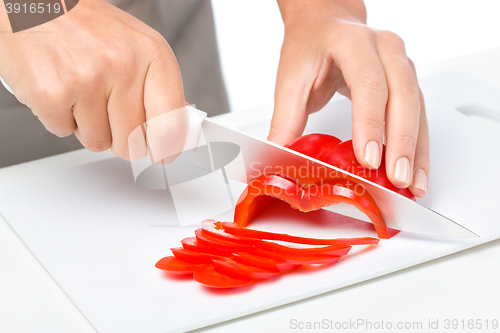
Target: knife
x,y
399,212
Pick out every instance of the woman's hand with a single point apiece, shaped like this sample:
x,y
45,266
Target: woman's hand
x,y
328,48
100,73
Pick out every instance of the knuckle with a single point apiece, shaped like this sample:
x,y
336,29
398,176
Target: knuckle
x,y
392,39
410,89
374,81
372,123
362,32
422,152
408,141
156,45
88,78
50,94
119,59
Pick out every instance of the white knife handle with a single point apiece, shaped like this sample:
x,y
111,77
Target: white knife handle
x,y
195,119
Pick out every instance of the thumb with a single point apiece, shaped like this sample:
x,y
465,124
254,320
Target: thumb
x,y
165,112
290,101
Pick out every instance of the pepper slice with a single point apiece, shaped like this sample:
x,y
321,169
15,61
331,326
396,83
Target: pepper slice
x,y
294,259
219,243
310,199
212,228
174,266
326,251
209,277
235,269
193,257
234,229
260,262
191,244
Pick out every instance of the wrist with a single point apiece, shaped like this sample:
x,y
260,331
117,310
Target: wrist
x,y
4,19
296,10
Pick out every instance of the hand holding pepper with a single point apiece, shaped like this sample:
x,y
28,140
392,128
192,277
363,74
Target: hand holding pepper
x,y
329,48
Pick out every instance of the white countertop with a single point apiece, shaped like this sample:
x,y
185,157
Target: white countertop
x,y
462,286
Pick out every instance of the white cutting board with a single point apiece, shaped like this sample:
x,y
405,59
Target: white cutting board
x,y
99,235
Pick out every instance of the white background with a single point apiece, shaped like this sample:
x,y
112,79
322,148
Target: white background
x,y
250,33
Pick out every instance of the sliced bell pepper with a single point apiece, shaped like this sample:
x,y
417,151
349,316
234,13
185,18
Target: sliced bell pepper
x,y
341,155
209,277
211,228
235,269
297,259
174,266
219,243
260,262
191,244
329,250
313,144
218,259
310,199
234,229
193,257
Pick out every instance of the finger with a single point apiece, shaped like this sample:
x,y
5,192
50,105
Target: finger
x,y
126,116
290,99
91,116
420,184
52,106
164,106
403,110
368,93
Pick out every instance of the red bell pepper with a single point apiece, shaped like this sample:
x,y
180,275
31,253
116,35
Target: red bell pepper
x,y
234,229
209,277
313,198
174,266
191,244
211,228
239,270
313,144
219,259
329,250
341,155
193,257
219,243
260,262
297,259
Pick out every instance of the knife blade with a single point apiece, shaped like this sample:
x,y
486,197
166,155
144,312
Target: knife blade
x,y
259,155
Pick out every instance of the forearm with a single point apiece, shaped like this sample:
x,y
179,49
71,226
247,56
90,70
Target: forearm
x,y
292,10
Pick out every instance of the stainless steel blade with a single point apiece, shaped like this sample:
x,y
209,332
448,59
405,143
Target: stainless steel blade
x,y
399,212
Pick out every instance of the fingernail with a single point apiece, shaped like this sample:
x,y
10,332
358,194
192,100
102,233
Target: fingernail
x,y
420,180
402,171
372,154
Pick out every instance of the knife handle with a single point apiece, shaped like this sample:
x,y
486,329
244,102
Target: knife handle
x,y
195,118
